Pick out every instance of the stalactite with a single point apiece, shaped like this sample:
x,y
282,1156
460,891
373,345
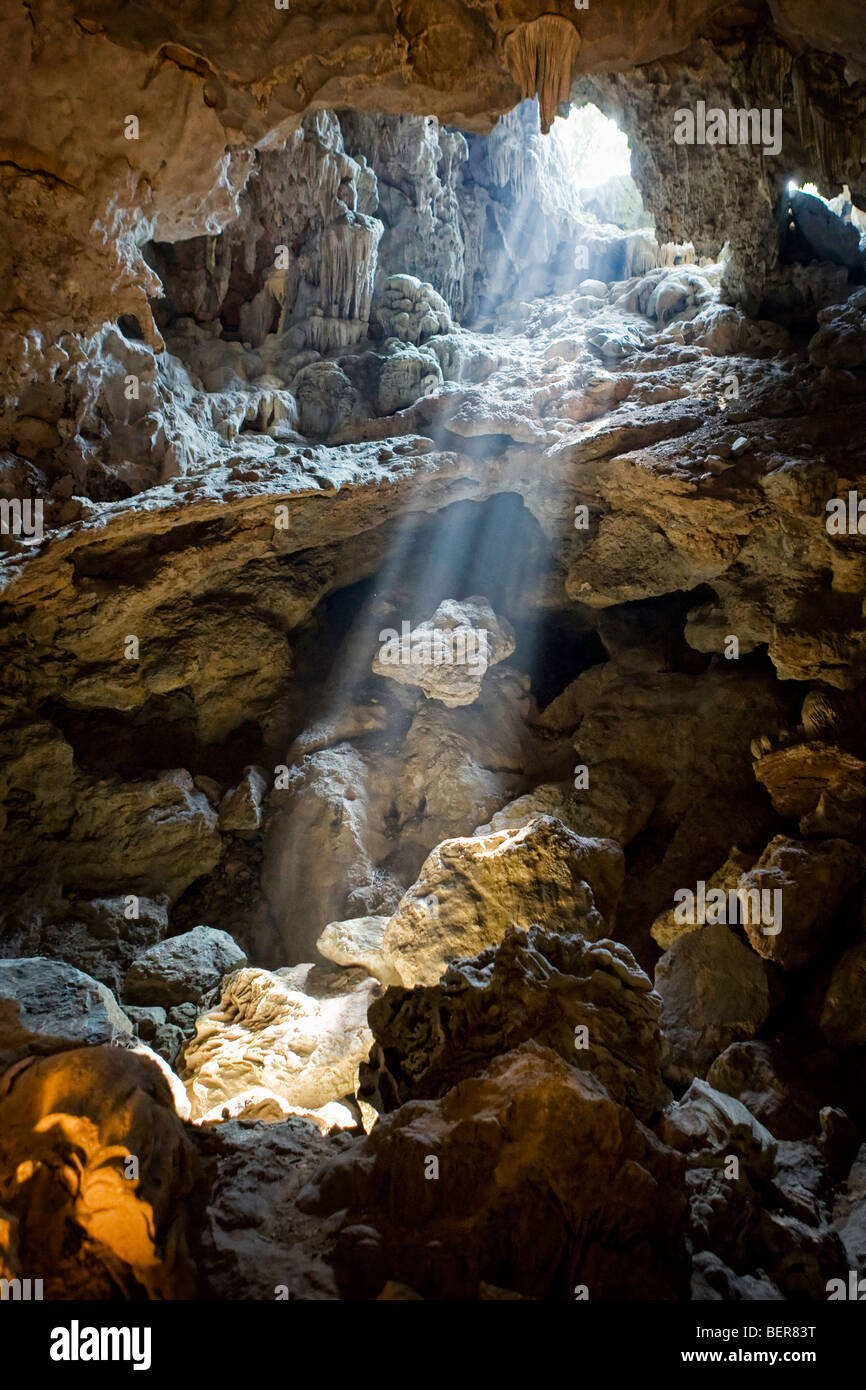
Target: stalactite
x,y
541,57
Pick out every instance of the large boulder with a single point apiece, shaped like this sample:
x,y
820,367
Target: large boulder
x,y
99,1178
183,968
297,1034
529,1177
47,1005
589,1003
828,237
806,881
449,655
715,992
471,890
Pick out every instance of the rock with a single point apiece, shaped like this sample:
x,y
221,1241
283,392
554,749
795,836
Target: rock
x,y
714,992
449,655
332,813
249,1242
183,968
760,1207
822,785
555,799
589,1003
270,1030
241,807
97,1159
781,1091
597,1169
151,837
829,238
849,1214
665,930
471,890
843,1016
708,1121
713,1281
358,942
841,337
145,1020
47,1006
810,878
100,936
183,1016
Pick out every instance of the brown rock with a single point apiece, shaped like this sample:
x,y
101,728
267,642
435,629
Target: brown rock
x,y
88,1221
541,1183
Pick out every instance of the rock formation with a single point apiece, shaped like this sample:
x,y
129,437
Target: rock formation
x,y
433,653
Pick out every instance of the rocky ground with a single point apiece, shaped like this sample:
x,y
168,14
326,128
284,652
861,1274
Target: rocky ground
x,y
330,969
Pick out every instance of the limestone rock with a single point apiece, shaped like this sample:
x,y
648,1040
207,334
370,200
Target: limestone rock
x,y
714,992
183,968
449,655
821,784
241,807
849,1214
280,1032
665,930
589,1003
829,238
88,1222
332,814
714,1123
596,1169
780,1090
409,309
841,337
47,1005
251,1243
548,799
843,1021
358,941
100,936
811,879
471,890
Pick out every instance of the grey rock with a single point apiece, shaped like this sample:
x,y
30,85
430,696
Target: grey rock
x,y
183,968
48,1006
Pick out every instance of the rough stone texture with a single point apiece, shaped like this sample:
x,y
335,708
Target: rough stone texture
x,y
46,1005
100,936
76,1217
184,968
471,890
536,984
714,992
254,1239
767,1221
241,807
665,930
849,1214
300,360
781,1091
812,880
358,942
598,1178
284,1033
842,1018
449,655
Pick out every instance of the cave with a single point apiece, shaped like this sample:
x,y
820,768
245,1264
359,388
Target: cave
x,y
433,749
